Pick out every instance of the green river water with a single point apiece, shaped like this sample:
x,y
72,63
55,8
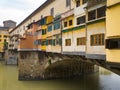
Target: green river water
x,y
103,80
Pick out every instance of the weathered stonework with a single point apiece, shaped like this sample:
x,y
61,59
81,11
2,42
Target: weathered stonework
x,y
53,66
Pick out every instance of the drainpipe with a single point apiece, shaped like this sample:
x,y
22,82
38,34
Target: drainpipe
x,y
61,37
86,18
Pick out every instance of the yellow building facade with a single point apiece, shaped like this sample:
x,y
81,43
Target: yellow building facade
x,y
113,31
4,35
46,21
53,41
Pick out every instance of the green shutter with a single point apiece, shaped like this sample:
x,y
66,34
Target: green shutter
x,y
46,42
60,41
53,42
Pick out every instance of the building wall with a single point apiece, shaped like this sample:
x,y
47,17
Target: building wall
x,y
73,35
112,2
77,34
113,29
57,10
67,20
95,51
113,21
91,30
27,43
67,35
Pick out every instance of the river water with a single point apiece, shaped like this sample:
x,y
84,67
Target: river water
x,y
103,80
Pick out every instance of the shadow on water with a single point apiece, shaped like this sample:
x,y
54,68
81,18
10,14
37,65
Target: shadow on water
x,y
104,80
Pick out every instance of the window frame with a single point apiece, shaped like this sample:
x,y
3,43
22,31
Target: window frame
x,y
90,15
97,39
81,41
68,42
65,24
49,29
68,3
81,18
101,10
77,3
70,22
57,25
84,1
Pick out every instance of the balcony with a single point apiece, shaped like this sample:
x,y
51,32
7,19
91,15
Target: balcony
x,y
45,20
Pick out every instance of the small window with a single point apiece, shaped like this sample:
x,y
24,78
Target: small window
x,y
101,12
53,42
42,21
81,41
50,42
41,16
85,1
4,40
65,24
68,3
80,20
92,15
56,25
52,11
113,43
5,36
77,3
97,39
43,42
70,22
43,31
33,21
37,42
23,27
30,26
50,28
68,42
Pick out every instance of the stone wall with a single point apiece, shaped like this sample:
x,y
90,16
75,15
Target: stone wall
x,y
30,70
51,66
68,69
11,57
32,67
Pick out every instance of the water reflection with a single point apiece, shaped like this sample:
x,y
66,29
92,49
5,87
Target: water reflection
x,y
109,80
104,80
